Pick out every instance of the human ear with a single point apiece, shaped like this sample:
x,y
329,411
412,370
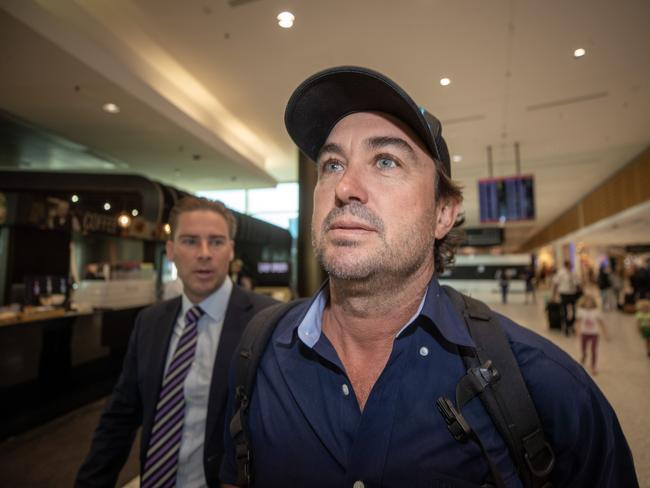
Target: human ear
x,y
446,218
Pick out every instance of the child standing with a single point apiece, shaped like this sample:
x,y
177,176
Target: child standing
x,y
590,323
643,320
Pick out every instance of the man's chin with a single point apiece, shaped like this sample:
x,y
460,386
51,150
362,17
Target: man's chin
x,y
203,290
345,243
351,268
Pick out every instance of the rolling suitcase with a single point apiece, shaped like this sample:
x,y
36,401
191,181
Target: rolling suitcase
x,y
554,312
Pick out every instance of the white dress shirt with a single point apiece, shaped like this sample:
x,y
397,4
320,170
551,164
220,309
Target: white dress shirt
x,y
197,384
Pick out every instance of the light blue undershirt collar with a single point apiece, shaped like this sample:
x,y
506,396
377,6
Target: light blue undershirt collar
x,y
311,326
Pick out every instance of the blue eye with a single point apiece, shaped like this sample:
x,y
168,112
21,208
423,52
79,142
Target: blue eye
x,y
331,166
385,163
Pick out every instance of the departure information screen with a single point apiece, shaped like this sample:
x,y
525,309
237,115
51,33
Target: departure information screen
x,y
510,198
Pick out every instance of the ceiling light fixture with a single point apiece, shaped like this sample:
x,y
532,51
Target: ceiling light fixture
x,y
111,108
445,81
578,53
135,212
456,158
107,206
285,20
74,198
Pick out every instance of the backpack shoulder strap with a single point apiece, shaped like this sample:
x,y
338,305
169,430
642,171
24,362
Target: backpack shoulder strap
x,y
507,400
251,346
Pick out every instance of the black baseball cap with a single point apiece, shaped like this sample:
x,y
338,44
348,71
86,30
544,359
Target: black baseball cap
x,y
323,99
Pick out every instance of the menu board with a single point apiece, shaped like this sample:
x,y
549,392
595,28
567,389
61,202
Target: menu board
x,y
506,199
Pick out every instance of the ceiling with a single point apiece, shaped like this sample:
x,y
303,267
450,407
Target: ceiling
x,y
202,84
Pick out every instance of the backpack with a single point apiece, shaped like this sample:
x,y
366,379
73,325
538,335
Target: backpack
x,y
492,373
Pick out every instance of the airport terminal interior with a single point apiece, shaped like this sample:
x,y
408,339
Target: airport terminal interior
x,y
111,112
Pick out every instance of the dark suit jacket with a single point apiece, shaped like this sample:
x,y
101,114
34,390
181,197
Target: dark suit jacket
x,y
134,398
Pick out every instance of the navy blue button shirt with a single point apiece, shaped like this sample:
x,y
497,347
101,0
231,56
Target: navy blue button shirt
x,y
307,428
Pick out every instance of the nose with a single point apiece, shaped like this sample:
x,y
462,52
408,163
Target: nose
x,y
351,186
204,249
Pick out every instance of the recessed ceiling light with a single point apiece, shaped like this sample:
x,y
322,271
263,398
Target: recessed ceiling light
x,y
111,108
578,53
456,158
74,198
135,212
107,206
445,81
285,19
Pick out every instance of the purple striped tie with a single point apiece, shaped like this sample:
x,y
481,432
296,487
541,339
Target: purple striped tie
x,y
165,442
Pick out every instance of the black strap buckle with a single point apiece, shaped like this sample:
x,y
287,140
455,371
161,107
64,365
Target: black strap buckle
x,y
475,382
243,458
456,423
548,458
486,374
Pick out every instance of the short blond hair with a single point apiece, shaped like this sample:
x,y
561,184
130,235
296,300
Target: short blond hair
x,y
587,298
191,204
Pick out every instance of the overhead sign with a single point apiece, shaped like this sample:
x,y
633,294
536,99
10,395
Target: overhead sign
x,y
507,199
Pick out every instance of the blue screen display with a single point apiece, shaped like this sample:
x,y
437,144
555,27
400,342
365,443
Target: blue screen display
x,y
506,199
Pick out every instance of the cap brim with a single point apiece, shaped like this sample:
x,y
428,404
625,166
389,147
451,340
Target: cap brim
x,y
318,104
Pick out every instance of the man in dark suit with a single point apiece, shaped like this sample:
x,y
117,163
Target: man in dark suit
x,y
174,379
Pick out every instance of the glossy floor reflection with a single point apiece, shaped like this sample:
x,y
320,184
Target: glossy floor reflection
x,y
50,456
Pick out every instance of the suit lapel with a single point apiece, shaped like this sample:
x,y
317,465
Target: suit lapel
x,y
237,312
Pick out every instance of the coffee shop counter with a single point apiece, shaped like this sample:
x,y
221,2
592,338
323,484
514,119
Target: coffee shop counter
x,y
53,361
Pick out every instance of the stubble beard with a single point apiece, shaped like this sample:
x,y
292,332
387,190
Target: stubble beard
x,y
382,264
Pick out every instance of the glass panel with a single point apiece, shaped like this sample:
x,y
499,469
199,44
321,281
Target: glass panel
x,y
283,198
281,219
233,199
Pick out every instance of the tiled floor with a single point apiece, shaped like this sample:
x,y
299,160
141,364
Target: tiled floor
x,y
49,456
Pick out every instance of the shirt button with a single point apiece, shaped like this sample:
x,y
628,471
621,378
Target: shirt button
x,y
424,351
358,484
346,392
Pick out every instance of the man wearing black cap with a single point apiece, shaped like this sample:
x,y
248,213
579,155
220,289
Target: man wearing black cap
x,y
345,392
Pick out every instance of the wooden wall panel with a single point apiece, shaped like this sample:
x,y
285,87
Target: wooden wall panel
x,y
642,177
627,188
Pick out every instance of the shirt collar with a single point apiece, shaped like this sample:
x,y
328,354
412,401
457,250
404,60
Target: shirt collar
x,y
435,305
439,308
215,304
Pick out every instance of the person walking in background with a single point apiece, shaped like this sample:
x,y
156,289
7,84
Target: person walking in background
x,y
173,382
566,285
643,321
605,286
590,323
504,284
529,276
617,285
239,275
645,280
640,281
